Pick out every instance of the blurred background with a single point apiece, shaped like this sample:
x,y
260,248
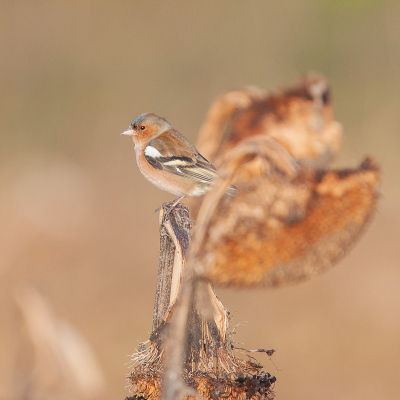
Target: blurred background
x,y
78,232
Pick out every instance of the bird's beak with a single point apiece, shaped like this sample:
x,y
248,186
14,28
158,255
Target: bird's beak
x,y
129,132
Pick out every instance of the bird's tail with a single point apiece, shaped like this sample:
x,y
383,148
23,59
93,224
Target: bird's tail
x,y
231,190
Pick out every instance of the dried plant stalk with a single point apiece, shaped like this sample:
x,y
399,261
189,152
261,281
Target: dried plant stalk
x,y
164,277
191,344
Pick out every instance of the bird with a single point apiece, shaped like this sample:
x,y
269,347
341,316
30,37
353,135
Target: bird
x,y
170,161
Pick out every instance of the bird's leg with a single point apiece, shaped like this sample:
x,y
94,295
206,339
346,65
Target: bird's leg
x,y
171,207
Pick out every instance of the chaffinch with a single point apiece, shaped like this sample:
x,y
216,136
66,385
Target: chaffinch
x,y
168,160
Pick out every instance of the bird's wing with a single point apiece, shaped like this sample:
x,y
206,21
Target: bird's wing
x,y
187,162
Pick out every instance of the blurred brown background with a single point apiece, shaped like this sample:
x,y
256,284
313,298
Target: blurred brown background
x,y
77,218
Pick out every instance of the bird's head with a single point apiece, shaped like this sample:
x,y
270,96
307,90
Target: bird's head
x,y
146,127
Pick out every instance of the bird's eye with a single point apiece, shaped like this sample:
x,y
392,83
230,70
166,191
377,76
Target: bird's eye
x,y
142,128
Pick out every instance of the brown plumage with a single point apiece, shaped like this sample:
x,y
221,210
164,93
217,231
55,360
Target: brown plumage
x,y
168,160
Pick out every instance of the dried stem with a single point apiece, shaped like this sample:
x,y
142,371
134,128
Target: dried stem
x,y
164,277
174,244
190,341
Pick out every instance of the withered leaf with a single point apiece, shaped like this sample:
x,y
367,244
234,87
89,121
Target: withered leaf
x,y
292,217
300,118
285,225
